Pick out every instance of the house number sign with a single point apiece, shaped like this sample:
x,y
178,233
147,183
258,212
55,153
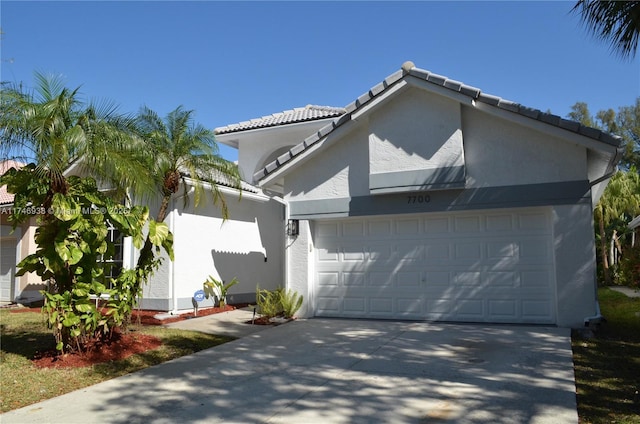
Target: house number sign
x,y
414,199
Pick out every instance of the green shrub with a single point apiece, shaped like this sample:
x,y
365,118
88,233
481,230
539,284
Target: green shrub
x,y
629,270
269,302
276,302
291,301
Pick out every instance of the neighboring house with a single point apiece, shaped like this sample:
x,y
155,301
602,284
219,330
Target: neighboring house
x,y
15,245
430,200
633,226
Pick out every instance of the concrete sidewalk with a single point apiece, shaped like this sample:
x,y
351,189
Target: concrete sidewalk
x,y
231,323
626,290
342,371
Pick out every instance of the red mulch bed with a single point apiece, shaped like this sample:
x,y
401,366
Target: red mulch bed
x,y
121,346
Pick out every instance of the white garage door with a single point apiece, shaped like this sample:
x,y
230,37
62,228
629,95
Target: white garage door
x,y
494,266
7,267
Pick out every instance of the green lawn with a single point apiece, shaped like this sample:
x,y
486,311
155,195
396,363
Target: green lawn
x,y
23,334
607,366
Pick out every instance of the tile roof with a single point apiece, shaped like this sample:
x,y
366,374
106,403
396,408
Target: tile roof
x,y
294,116
6,197
409,70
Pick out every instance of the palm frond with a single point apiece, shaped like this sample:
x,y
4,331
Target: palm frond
x,y
617,22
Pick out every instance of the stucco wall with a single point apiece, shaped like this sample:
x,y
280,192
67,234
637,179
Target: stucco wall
x,y
575,264
415,131
195,229
300,251
498,153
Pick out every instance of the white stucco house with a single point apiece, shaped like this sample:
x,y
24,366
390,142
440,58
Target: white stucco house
x,y
426,199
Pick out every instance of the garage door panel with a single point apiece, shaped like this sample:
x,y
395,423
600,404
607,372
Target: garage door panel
x,y
381,279
328,279
409,307
501,249
467,224
439,308
437,225
437,279
466,252
327,255
499,222
409,251
502,279
381,306
354,305
328,305
412,280
353,253
407,226
468,279
380,228
381,252
350,279
469,309
489,267
437,251
503,309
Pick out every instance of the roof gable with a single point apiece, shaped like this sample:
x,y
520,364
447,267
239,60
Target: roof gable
x,y
455,89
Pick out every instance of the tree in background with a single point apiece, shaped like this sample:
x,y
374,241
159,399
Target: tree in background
x,y
617,22
620,202
625,123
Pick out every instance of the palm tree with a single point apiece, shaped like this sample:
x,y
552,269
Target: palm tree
x,y
182,154
615,21
52,127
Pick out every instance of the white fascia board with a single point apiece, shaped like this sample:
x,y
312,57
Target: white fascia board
x,y
549,129
228,139
233,138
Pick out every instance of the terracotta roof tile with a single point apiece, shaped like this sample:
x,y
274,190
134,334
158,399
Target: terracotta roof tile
x,y
6,197
300,114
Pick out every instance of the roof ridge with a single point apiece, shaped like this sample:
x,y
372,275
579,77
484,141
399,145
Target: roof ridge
x,y
409,69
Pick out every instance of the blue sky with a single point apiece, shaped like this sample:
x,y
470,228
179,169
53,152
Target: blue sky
x,y
233,61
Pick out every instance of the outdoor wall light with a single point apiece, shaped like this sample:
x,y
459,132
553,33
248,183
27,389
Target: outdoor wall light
x,y
293,227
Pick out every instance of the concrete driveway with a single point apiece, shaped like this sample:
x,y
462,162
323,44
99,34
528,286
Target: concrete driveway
x,y
343,371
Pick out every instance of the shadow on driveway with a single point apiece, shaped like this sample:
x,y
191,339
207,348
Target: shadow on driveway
x,y
343,371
